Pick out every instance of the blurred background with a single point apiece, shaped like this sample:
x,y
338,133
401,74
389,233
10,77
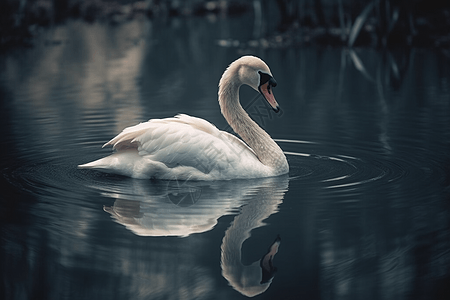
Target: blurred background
x,y
364,89
282,22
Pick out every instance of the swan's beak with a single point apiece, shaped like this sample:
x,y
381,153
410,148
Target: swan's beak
x,y
266,90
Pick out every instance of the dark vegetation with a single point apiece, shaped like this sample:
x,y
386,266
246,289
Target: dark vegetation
x,y
424,23
376,23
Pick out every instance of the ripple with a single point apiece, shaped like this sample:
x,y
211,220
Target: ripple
x,y
331,166
57,179
348,169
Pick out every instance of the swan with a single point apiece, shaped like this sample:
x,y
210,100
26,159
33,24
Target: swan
x,y
185,147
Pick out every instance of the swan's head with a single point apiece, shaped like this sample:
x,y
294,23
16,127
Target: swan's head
x,y
254,72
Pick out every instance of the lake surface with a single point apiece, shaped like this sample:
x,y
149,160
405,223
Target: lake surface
x,y
363,214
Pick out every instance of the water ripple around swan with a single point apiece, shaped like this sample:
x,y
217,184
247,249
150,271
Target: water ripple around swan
x,y
338,168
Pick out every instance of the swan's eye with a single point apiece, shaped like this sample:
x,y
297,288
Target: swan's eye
x,y
263,78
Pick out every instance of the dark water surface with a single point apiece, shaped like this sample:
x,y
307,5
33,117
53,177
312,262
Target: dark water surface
x,y
363,214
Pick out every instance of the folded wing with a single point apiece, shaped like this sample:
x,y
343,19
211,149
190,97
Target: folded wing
x,y
185,141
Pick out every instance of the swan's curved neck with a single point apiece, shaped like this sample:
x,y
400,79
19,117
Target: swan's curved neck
x,y
265,148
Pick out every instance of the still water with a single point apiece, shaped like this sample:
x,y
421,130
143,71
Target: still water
x,y
363,214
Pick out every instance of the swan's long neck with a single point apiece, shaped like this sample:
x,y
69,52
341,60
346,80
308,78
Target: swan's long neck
x,y
265,148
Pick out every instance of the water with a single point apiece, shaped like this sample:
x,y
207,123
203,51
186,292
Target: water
x,y
364,212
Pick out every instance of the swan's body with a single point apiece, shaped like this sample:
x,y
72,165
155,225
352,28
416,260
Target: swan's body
x,y
186,147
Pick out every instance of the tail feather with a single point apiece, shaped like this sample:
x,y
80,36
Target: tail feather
x,y
103,163
127,163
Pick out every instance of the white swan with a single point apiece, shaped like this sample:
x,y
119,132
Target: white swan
x,y
186,147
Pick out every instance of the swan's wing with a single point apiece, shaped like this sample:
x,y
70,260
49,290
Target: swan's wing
x,y
232,139
158,127
207,127
126,139
184,141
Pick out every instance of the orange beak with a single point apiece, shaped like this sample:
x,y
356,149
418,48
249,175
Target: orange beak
x,y
266,91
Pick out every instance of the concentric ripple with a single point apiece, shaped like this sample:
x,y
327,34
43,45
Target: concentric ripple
x,y
346,169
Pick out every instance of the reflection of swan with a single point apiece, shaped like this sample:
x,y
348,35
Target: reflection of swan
x,y
253,279
174,208
196,207
180,208
186,147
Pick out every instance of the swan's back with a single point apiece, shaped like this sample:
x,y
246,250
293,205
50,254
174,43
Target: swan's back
x,y
182,147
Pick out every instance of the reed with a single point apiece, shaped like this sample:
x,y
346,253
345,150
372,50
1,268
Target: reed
x,y
369,22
